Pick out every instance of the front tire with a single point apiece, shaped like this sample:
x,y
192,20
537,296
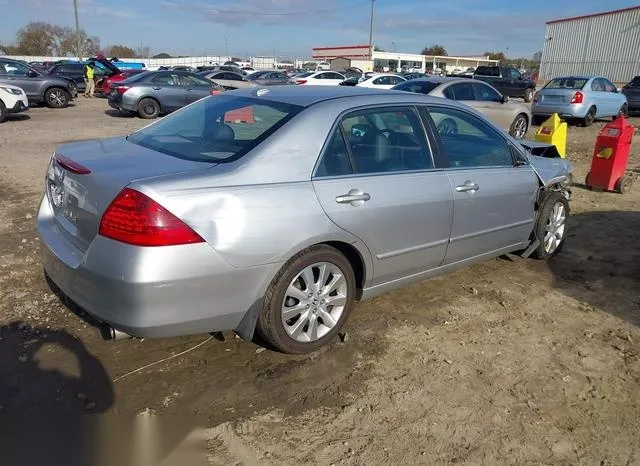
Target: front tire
x,y
519,127
148,109
3,112
528,95
57,97
308,301
624,111
551,225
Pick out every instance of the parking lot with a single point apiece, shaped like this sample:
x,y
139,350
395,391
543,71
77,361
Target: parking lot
x,y
533,361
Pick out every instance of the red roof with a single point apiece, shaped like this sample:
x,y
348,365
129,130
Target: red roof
x,y
594,15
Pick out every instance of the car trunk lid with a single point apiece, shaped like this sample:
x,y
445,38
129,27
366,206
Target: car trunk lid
x,y
83,179
549,96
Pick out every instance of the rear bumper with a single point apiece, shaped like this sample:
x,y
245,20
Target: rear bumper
x,y
563,110
153,291
119,102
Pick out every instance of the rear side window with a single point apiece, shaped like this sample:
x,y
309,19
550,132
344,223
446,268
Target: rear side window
x,y
566,83
377,141
468,141
418,87
219,129
488,71
166,79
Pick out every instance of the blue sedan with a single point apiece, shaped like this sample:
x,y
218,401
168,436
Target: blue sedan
x,y
582,98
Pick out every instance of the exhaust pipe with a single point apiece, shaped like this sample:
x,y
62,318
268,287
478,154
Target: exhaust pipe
x,y
117,334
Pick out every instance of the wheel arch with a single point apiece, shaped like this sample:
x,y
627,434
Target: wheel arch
x,y
140,99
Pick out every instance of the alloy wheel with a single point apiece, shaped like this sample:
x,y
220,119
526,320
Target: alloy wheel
x,y
520,128
58,98
554,230
314,302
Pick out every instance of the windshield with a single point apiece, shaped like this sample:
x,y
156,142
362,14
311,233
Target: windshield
x,y
566,83
216,129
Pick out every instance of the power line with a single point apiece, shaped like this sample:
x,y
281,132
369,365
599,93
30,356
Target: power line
x,y
261,13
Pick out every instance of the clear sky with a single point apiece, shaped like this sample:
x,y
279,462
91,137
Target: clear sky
x,y
254,27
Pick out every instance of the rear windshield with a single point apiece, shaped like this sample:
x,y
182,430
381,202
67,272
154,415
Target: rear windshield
x,y
566,83
419,87
215,129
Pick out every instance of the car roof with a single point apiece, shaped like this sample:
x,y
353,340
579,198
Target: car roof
x,y
308,95
577,77
445,79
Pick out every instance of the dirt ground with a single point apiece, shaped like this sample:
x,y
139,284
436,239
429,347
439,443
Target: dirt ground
x,y
512,361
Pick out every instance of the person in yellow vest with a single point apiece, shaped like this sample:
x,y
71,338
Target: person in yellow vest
x,y
88,79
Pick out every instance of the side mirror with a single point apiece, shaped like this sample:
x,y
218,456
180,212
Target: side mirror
x,y
504,99
618,90
32,74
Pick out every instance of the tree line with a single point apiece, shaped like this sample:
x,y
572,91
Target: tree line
x,y
532,63
51,40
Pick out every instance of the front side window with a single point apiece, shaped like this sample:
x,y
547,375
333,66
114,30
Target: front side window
x,y
13,69
608,85
515,74
485,93
468,141
379,141
209,131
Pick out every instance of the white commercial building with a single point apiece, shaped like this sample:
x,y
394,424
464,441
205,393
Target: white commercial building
x,y
361,57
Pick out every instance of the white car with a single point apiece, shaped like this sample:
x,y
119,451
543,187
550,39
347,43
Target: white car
x,y
381,81
318,78
12,100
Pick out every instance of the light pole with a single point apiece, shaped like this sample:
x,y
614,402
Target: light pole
x,y
371,30
226,46
75,12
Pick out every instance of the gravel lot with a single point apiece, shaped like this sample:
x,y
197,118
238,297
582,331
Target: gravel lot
x,y
510,361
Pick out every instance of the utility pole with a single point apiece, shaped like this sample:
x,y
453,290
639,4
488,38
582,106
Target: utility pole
x,y
226,47
75,12
371,31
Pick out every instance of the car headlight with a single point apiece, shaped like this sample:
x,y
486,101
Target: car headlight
x,y
11,90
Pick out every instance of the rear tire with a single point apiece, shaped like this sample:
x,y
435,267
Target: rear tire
x,y
528,95
3,112
551,225
57,97
148,109
519,126
292,305
623,185
589,118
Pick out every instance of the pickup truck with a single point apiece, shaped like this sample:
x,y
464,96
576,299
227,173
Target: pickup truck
x,y
507,80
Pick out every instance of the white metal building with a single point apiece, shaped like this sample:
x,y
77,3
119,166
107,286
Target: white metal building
x,y
606,44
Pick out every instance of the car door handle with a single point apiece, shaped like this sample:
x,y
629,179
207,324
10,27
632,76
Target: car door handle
x,y
354,197
467,186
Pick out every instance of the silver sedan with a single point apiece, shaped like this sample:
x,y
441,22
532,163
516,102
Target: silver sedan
x,y
512,116
277,208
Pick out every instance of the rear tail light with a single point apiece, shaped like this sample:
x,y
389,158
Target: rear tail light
x,y
301,81
577,98
71,166
135,218
122,89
